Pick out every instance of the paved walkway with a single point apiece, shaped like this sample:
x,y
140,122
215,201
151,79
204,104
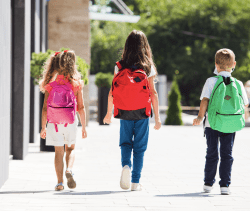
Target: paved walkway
x,y
172,176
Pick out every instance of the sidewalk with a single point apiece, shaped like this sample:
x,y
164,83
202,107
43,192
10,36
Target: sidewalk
x,y
172,176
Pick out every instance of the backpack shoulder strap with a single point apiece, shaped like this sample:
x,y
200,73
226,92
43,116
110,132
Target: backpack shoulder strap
x,y
69,85
217,84
119,65
238,85
53,84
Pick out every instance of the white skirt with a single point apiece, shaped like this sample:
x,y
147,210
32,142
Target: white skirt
x,y
65,135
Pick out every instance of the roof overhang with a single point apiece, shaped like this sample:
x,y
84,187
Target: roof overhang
x,y
114,17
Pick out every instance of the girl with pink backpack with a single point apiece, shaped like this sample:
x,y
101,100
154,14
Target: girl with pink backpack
x,y
62,86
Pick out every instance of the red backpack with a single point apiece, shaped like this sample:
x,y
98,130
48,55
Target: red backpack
x,y
131,94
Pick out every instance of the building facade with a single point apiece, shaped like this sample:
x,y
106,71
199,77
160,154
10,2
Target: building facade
x,y
23,31
69,27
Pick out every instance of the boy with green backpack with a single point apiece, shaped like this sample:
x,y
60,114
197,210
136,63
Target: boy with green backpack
x,y
224,99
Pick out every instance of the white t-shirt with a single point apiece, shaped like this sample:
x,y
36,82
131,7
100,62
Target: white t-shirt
x,y
152,73
209,86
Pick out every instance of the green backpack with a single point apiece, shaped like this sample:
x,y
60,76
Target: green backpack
x,y
226,106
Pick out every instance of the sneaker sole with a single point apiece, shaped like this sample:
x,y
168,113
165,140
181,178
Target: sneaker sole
x,y
125,179
225,193
71,182
137,188
207,190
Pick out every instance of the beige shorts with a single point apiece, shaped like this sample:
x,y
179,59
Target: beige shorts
x,y
65,135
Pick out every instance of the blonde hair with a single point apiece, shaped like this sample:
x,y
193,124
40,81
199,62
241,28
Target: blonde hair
x,y
68,67
50,69
225,58
137,52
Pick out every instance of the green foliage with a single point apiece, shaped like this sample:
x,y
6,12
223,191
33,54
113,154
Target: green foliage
x,y
38,60
102,2
36,64
82,67
175,30
103,79
107,42
174,109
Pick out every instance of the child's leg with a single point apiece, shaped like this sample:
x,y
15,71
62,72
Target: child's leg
x,y
70,156
126,135
139,147
212,155
59,153
226,147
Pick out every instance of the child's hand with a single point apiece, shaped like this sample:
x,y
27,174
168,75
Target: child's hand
x,y
197,121
84,132
43,133
157,125
107,119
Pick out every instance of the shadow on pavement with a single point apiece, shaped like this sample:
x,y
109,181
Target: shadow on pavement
x,y
198,194
25,192
88,193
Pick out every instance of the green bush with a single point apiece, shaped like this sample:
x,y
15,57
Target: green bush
x,y
36,64
174,108
103,79
38,60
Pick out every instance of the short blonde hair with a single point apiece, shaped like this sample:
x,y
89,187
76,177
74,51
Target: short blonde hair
x,y
225,58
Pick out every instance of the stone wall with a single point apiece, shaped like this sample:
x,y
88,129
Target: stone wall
x,y
69,27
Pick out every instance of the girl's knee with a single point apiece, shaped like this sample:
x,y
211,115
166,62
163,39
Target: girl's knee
x,y
69,149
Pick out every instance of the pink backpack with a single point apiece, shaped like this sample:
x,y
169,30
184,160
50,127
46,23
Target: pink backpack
x,y
61,104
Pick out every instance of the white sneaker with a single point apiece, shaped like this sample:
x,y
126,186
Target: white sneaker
x,y
225,191
207,188
125,178
136,187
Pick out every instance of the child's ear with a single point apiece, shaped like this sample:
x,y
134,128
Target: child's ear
x,y
234,64
216,65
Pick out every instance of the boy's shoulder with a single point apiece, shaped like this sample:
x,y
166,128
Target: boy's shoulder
x,y
240,82
211,81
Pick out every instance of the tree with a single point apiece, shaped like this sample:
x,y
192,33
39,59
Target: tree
x,y
107,42
185,35
174,109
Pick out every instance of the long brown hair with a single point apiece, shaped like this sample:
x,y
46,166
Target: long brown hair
x,y
137,52
50,69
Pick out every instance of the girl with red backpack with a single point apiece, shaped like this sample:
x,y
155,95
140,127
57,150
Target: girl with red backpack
x,y
62,86
132,93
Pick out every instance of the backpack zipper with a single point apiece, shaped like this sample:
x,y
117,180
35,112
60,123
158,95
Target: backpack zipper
x,y
60,107
227,114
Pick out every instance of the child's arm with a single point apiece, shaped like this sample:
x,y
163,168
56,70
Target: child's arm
x,y
155,102
81,111
107,118
203,109
44,116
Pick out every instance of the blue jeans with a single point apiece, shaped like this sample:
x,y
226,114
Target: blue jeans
x,y
212,157
134,135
